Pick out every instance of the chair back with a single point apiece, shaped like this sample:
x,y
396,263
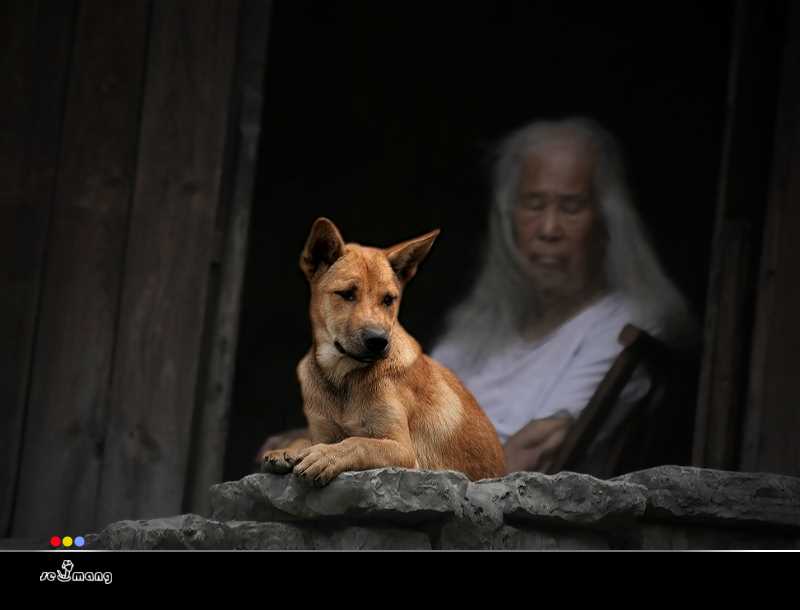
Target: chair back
x,y
612,437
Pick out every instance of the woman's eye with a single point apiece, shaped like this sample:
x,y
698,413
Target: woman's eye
x,y
532,203
347,295
573,206
388,300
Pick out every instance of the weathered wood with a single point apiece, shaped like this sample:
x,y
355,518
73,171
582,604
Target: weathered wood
x,y
35,39
718,422
187,90
744,171
772,425
601,405
611,437
211,430
65,432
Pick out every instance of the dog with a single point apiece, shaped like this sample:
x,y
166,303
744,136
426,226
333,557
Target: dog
x,y
371,397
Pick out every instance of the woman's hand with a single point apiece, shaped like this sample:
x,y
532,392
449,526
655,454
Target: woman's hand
x,y
535,445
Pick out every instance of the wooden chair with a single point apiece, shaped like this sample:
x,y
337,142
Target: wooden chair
x,y
611,437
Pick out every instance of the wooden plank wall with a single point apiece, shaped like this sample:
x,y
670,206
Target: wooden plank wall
x,y
772,424
210,435
121,214
77,321
754,78
36,41
171,239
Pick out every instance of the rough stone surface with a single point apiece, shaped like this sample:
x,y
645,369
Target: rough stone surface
x,y
185,532
254,535
356,538
680,537
668,507
697,495
393,495
564,499
464,536
179,532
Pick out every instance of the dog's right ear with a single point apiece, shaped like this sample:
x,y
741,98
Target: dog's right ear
x,y
323,247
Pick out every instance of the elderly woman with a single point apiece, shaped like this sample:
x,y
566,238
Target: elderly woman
x,y
566,267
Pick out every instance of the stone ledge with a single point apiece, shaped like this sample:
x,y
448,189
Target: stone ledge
x,y
664,536
393,495
393,508
568,499
717,497
193,532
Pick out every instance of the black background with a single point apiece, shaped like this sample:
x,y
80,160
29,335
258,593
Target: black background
x,y
198,573
383,116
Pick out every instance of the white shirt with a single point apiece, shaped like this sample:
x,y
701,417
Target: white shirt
x,y
557,374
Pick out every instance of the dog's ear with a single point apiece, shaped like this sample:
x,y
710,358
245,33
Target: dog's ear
x,y
323,247
406,257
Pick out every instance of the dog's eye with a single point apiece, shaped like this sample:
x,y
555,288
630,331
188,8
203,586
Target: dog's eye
x,y
389,299
347,295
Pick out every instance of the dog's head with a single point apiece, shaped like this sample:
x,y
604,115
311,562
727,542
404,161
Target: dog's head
x,y
356,291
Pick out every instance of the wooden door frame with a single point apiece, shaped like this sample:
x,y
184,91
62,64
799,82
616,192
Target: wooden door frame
x,y
751,104
215,382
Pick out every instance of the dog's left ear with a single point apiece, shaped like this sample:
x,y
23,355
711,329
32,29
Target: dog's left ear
x,y
323,247
406,257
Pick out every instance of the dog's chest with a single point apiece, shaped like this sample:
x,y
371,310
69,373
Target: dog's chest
x,y
355,425
353,419
346,412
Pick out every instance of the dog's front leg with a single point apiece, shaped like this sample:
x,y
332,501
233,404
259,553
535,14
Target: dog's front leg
x,y
321,430
321,463
281,461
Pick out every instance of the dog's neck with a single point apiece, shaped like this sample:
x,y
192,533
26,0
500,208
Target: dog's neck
x,y
342,372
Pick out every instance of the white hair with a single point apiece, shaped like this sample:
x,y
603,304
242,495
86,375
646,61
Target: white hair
x,y
502,295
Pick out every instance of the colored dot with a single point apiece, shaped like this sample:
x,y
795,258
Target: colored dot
x,y
55,541
79,541
67,541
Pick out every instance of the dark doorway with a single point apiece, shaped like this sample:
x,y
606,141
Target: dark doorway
x,y
383,116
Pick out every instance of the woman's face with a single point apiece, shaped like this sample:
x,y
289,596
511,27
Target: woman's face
x,y
556,219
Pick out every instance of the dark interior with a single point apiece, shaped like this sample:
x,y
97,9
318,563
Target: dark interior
x,y
383,117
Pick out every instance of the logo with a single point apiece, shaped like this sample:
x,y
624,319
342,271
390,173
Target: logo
x,y
65,574
67,541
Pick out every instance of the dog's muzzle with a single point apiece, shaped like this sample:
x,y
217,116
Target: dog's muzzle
x,y
376,346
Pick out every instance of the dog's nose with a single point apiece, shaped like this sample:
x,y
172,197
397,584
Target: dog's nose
x,y
375,341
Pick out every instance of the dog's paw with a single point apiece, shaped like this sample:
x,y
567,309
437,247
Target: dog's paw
x,y
318,464
279,461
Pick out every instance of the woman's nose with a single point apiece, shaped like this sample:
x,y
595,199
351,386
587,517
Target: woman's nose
x,y
550,228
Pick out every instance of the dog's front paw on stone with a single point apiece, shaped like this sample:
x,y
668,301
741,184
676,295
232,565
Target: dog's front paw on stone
x,y
318,465
279,461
